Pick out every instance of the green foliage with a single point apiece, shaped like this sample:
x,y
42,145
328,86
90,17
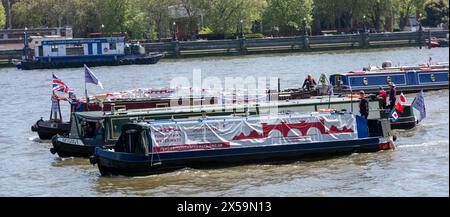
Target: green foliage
x,y
2,17
224,16
436,12
154,18
254,35
205,31
288,15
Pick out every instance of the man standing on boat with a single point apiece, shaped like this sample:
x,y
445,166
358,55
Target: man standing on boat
x,y
392,95
363,105
309,83
383,95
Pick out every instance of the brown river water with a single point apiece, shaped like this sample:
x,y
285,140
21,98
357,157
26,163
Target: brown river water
x,y
418,167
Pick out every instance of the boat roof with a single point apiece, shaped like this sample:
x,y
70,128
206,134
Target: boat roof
x,y
205,108
401,69
148,124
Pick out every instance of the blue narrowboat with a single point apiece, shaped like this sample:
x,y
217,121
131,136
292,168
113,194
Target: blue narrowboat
x,y
406,79
146,148
57,52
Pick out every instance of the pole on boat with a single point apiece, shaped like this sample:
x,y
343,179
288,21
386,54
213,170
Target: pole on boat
x,y
86,95
351,98
59,111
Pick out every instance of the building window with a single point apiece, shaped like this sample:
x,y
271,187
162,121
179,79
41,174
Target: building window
x,y
112,46
54,48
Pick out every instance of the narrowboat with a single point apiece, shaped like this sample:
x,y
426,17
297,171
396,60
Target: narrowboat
x,y
49,128
407,79
107,125
147,148
58,52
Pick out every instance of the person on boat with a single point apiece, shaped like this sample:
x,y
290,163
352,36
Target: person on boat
x,y
382,95
363,105
89,131
392,95
99,131
309,83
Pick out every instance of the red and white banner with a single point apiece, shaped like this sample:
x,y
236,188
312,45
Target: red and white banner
x,y
223,133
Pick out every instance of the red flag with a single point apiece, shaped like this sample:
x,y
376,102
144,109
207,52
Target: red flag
x,y
399,107
402,99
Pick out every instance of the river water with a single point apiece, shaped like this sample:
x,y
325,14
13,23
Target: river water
x,y
418,167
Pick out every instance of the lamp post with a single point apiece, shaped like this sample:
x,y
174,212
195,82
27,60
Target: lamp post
x,y
364,24
102,29
419,20
305,24
174,27
241,29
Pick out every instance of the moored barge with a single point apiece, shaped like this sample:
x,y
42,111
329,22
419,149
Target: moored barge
x,y
407,79
54,52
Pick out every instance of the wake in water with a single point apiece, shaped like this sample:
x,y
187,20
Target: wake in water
x,y
425,144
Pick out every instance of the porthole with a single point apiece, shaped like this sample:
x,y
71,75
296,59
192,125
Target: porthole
x,y
365,81
433,78
389,79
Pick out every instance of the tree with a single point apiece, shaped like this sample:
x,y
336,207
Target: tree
x,y
332,14
2,17
436,12
224,16
376,10
288,15
115,15
6,6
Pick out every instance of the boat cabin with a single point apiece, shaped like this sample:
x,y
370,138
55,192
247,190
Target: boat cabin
x,y
406,80
66,47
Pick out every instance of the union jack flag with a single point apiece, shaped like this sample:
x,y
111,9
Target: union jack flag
x,y
58,85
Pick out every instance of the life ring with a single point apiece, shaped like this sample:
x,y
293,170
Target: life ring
x,y
327,110
106,50
353,96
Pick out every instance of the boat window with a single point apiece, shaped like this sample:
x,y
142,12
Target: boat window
x,y
41,51
433,78
54,48
133,141
389,79
366,81
74,50
162,105
92,130
112,46
338,81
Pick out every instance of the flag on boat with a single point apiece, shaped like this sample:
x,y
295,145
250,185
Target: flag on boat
x,y
394,115
419,104
400,102
89,77
399,107
58,85
402,99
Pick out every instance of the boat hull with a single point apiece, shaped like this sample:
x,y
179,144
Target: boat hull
x,y
111,163
92,62
404,89
66,147
47,129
